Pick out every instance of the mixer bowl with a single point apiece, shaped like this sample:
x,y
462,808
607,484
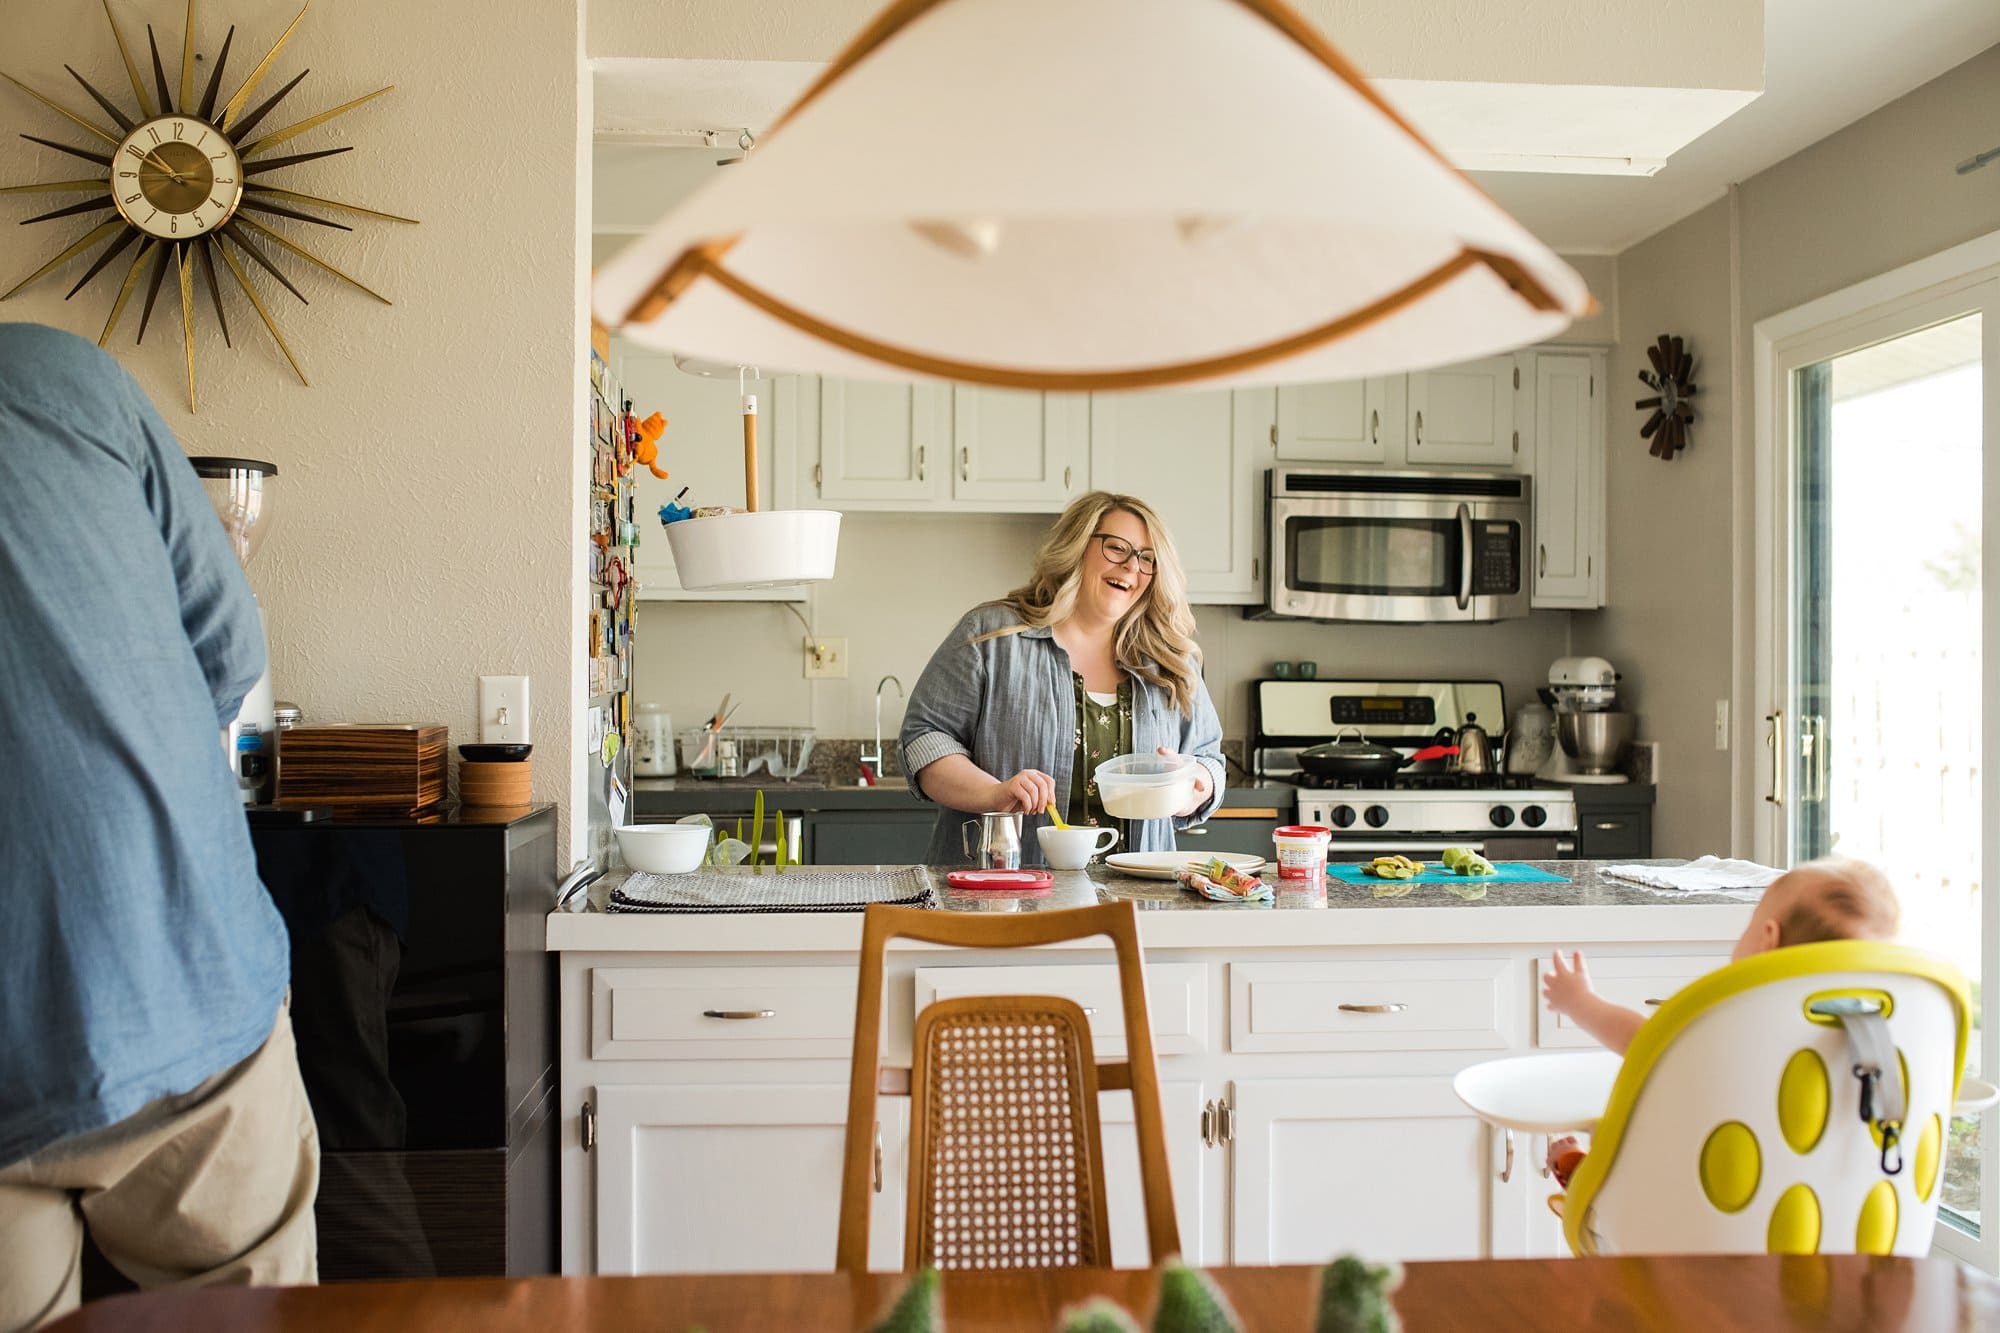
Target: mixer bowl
x,y
1596,741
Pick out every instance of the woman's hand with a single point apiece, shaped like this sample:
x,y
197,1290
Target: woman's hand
x,y
1201,785
1030,792
1568,988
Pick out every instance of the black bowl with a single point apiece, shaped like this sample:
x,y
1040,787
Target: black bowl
x,y
494,754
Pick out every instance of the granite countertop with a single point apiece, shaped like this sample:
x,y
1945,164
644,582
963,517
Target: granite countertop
x,y
1588,907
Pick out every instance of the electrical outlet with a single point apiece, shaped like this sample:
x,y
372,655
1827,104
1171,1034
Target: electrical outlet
x,y
503,710
1722,724
826,659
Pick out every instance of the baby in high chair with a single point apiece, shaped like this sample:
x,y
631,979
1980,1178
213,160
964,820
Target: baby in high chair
x,y
1833,898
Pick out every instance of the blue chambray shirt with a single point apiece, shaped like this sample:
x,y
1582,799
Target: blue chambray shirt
x,y
139,954
1010,703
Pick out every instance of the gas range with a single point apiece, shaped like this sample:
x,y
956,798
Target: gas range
x,y
1420,810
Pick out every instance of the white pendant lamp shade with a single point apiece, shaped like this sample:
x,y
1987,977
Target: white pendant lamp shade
x,y
1090,195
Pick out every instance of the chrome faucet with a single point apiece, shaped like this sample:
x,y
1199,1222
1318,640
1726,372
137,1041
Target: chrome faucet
x,y
875,759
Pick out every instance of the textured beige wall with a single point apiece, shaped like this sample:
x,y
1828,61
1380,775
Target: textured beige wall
x,y
1667,623
429,496
1878,194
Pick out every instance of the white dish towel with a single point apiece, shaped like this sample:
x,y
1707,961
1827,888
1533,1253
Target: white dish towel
x,y
1743,881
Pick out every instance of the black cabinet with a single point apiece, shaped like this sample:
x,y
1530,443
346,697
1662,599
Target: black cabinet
x,y
1614,823
1227,831
869,837
424,1006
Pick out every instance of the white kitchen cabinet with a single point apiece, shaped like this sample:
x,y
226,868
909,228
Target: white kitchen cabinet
x,y
1353,421
1391,1168
702,452
880,446
1464,414
1568,431
1197,458
733,1179
1018,451
1196,1169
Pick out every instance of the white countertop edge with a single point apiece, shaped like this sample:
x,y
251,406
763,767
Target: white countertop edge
x,y
831,932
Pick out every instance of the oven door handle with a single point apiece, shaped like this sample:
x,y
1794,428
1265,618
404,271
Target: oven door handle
x,y
1339,847
1464,557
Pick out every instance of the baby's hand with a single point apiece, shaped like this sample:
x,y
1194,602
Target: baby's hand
x,y
1568,986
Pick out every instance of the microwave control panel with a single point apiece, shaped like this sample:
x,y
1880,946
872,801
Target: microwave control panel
x,y
1496,558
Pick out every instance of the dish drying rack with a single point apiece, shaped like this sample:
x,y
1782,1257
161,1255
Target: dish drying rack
x,y
782,752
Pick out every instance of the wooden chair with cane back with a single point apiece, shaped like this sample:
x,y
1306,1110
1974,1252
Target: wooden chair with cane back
x,y
1006,1148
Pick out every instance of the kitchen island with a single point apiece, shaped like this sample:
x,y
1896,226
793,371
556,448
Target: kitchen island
x,y
1306,1049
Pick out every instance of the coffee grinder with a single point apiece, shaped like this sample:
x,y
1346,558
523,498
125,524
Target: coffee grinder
x,y
239,489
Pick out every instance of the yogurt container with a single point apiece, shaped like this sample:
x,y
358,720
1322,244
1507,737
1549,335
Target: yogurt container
x,y
1301,854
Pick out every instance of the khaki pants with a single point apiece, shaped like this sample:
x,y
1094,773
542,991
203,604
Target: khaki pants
x,y
213,1186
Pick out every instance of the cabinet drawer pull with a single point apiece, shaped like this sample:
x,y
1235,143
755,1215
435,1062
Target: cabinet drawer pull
x,y
739,1013
1608,825
1392,1007
1197,831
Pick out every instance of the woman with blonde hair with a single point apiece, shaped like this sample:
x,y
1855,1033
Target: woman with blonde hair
x,y
1093,657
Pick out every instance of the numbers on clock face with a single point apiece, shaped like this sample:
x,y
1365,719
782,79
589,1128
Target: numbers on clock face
x,y
177,176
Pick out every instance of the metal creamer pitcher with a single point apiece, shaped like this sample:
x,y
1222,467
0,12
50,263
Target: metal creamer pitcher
x,y
998,843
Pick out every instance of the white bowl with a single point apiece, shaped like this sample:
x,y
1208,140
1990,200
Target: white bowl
x,y
663,849
767,549
1145,786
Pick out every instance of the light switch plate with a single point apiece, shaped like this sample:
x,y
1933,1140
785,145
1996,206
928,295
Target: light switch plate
x,y
503,710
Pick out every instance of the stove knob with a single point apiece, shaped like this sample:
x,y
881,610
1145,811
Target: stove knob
x,y
1501,815
1342,816
1376,816
1534,816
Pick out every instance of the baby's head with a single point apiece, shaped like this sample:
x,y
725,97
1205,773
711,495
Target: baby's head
x,y
1833,898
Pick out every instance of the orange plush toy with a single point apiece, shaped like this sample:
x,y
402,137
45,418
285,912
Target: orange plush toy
x,y
647,447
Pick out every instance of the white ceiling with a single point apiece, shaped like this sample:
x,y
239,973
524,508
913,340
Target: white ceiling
x,y
1828,63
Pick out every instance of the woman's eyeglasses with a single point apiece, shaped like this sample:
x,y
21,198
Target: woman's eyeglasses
x,y
1118,551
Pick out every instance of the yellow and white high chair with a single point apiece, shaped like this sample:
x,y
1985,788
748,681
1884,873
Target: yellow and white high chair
x,y
1792,1103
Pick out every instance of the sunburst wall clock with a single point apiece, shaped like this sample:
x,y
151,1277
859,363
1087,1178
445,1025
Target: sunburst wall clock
x,y
181,179
1671,379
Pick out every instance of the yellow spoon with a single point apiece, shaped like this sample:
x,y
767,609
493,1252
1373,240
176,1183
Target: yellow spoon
x,y
1055,818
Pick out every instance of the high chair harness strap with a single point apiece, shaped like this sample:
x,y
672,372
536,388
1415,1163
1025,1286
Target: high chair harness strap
x,y
1873,1059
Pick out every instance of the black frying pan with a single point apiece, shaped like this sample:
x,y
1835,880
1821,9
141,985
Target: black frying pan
x,y
1346,760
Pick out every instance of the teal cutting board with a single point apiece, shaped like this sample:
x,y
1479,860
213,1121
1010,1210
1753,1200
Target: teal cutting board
x,y
1504,872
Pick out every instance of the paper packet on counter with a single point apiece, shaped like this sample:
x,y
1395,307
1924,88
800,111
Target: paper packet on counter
x,y
1218,880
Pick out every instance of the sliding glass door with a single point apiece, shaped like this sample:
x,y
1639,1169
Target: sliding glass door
x,y
1877,632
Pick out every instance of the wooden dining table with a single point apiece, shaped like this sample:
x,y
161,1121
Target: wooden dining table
x,y
1706,1294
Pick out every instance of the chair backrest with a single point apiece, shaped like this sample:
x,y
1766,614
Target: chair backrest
x,y
1735,1124
1006,1148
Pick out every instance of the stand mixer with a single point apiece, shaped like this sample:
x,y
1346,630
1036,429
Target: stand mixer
x,y
1591,733
237,489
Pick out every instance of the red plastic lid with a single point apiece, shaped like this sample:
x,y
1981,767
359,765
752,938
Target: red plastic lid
x,y
999,879
1303,831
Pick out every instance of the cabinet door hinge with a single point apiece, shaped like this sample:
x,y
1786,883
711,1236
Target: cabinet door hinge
x,y
589,1126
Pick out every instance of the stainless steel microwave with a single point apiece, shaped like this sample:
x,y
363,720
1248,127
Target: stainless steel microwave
x,y
1406,547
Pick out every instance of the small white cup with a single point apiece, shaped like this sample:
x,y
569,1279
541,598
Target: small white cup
x,y
1072,848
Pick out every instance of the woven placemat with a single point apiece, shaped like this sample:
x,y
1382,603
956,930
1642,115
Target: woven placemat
x,y
799,889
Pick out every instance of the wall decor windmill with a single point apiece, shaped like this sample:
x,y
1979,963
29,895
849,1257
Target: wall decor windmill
x,y
181,178
1670,379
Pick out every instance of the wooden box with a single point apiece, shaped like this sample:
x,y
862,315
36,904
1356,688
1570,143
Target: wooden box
x,y
383,768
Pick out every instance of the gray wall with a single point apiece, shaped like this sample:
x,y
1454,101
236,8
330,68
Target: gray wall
x,y
1876,195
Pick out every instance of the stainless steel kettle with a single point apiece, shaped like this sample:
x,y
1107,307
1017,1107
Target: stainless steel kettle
x,y
1475,748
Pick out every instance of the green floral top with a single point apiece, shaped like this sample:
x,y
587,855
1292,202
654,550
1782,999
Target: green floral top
x,y
1102,732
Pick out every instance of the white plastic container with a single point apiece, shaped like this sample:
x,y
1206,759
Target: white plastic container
x,y
1146,786
1301,853
767,549
663,849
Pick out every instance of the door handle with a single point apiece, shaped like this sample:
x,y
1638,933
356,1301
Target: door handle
x,y
1420,426
1507,1170
1208,1124
739,1013
1776,796
1813,742
1464,557
1390,1007
965,463
920,462
1375,426
878,1156
1542,562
